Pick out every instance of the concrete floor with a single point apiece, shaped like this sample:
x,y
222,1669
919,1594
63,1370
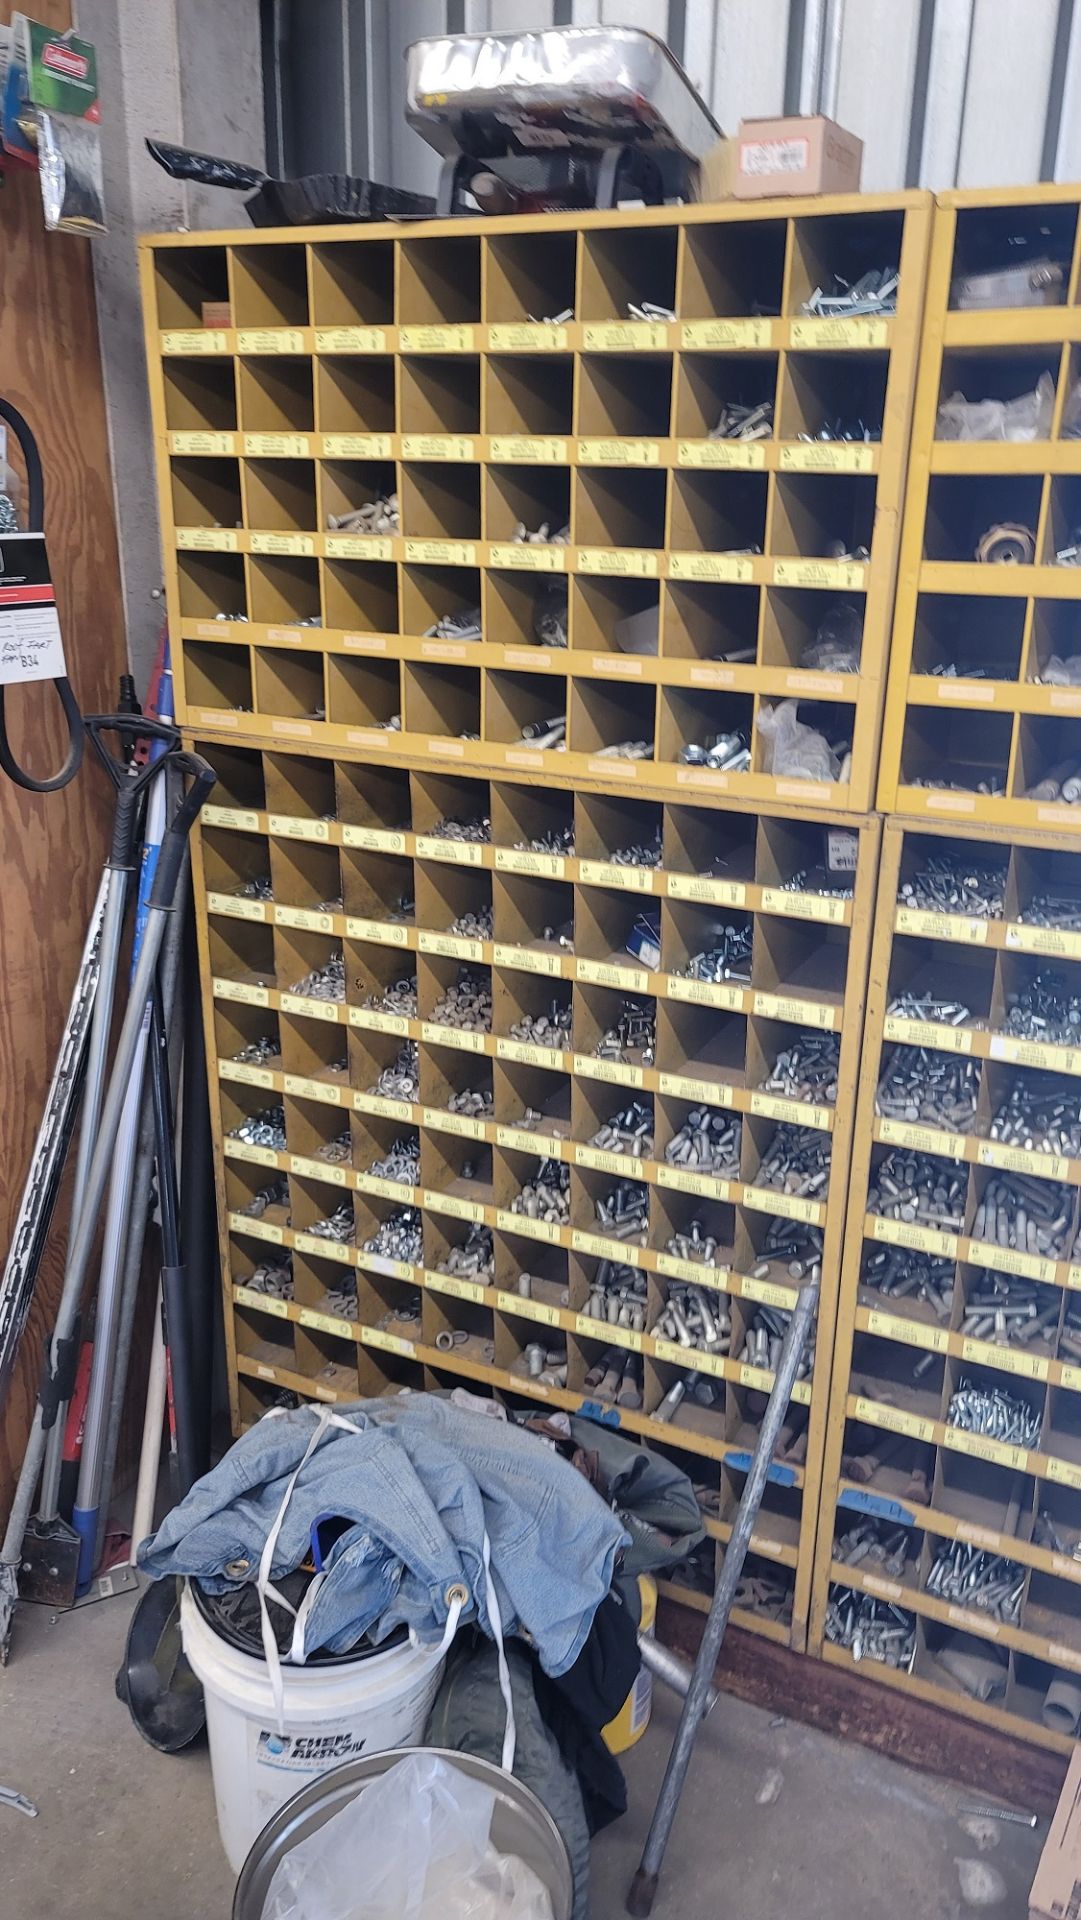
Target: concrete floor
x,y
776,1820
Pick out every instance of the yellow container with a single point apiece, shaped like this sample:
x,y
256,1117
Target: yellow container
x,y
632,1719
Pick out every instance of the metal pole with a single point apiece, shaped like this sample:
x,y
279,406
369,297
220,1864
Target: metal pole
x,y
643,1888
829,77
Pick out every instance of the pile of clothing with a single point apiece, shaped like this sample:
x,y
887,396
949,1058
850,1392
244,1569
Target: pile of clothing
x,y
517,1542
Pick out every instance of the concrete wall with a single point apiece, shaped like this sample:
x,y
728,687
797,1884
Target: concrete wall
x,y
190,72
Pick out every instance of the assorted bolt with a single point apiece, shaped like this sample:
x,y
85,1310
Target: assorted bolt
x,y
546,1365
474,923
709,1140
972,1578
465,625
265,1129
769,1595
467,1004
842,429
952,883
696,1244
874,292
542,536
939,1088
548,1195
790,1241
871,1629
623,1212
729,958
764,1339
257,888
399,1237
543,734
797,1161
995,1414
871,1544
1045,1010
401,1162
1052,910
552,840
724,752
898,1273
807,1069
273,1276
550,623
634,1034
401,1080
478,827
629,1131
551,1029
478,1103
918,1187
649,310
265,1047
398,996
617,1295
626,750
640,853
737,421
323,983
380,515
276,1194
1041,1116
1034,1216
696,1317
928,1006
474,1259
1008,1311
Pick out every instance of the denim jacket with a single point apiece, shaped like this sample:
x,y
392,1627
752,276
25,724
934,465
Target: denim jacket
x,y
422,1483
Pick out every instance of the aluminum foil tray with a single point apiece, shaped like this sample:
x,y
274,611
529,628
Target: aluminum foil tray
x,y
563,87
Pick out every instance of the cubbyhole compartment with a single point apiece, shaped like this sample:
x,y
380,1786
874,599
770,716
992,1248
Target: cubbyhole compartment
x,y
374,1057
885,1371
1039,873
535,913
206,493
704,1410
889,1466
614,722
240,775
233,861
455,1001
290,684
627,833
962,509
434,595
200,395
1062,1425
438,280
264,1338
673,1116
1045,1695
530,819
372,801
276,394
361,596
456,1169
706,843
941,981
623,395
620,1197
990,240
537,1354
942,1200
718,512
711,622
631,1017
835,724
841,247
733,269
457,1083
1056,1523
703,1044
305,875
765,1591
523,709
438,395
240,1104
185,277
1062,533
381,980
961,1664
945,750
619,509
532,1100
532,1010
447,897
610,926
983,1496
442,700
321,1134
692,932
958,637
623,266
802,627
300,786
285,592
391,1306
526,395
711,383
770,1247
889,1550
616,616
379,886
1048,753
270,286
829,515
806,858
777,1530
312,1205
281,495
355,395
601,1110
347,485
521,610
996,374
256,1397
445,801
834,397
767,1144
925,877
364,693
380,1373
248,1035
259,1193
518,1260
211,584
992,1307
352,285
530,276
297,954
529,497
217,677
327,1360
440,500
1054,656
699,719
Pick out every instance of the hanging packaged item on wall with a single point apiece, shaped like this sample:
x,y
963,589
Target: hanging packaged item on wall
x,y
50,119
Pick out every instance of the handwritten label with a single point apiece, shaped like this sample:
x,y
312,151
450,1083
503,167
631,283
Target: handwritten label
x,y
350,339
711,566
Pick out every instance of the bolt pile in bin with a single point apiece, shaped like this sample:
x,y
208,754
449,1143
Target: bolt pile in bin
x,y
1042,1116
634,1033
264,1129
398,1237
971,1577
729,957
623,1212
323,983
477,828
1033,1216
552,840
696,1317
401,1162
708,1141
739,421
339,1225
276,1194
467,1005
273,1276
918,1187
724,752
617,1376
257,888
474,1259
764,1339
547,1365
547,1196
477,1103
401,1080
380,515
953,883
806,1069
465,625
640,853
871,1629
696,1244
995,1414
551,1029
1044,1010
874,292
474,923
265,1046
337,1151
799,1246
617,1295
1052,910
630,1131
398,996
869,1543
797,1161
941,1089
899,1273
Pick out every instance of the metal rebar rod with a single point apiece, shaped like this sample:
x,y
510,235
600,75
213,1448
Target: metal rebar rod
x,y
643,1887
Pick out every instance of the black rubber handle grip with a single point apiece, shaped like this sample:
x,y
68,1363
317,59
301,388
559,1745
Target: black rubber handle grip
x,y
176,833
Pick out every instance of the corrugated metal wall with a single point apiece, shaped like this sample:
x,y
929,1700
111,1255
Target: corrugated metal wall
x,y
942,92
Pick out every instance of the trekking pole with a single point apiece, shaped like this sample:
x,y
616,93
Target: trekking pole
x,y
643,1888
159,907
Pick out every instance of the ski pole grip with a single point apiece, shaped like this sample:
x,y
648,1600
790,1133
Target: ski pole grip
x,y
176,833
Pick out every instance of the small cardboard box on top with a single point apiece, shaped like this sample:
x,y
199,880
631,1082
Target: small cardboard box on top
x,y
795,156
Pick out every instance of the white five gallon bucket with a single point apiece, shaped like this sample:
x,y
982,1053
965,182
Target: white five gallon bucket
x,y
334,1711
